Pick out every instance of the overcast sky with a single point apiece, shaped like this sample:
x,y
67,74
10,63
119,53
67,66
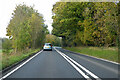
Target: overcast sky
x,y
7,6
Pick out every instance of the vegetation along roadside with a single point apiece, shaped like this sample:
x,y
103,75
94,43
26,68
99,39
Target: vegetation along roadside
x,y
110,53
26,31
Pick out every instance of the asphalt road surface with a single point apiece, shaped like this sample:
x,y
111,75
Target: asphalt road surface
x,y
64,64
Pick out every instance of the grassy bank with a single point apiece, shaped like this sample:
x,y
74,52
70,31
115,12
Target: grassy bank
x,y
110,53
0,59
0,50
9,59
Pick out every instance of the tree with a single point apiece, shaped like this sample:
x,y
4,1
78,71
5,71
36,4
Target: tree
x,y
56,41
26,28
86,23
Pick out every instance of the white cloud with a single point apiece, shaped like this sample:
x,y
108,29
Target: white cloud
x,y
7,6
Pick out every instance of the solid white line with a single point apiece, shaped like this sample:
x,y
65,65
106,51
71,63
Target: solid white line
x,y
20,66
82,73
99,58
90,73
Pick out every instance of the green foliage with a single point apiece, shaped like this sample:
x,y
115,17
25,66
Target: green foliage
x,y
118,38
6,45
46,30
0,50
10,59
26,28
0,43
110,53
56,41
86,23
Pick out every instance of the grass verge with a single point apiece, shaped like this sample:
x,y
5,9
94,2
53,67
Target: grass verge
x,y
110,53
0,59
9,59
0,50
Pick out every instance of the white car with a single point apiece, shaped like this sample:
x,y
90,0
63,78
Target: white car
x,y
47,46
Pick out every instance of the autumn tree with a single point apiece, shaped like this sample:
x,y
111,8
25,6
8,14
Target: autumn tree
x,y
26,28
56,41
86,23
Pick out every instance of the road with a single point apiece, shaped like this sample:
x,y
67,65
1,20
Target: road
x,y
61,63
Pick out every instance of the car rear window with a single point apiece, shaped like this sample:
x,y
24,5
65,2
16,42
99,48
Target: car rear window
x,y
48,44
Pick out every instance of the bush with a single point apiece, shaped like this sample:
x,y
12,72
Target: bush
x,y
6,45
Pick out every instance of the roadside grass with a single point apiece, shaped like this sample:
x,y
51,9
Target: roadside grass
x,y
12,58
110,53
0,59
0,50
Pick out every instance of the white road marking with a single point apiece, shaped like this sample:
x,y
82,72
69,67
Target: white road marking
x,y
20,66
82,73
90,73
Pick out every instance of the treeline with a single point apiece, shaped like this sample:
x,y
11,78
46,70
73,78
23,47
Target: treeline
x,y
0,43
55,41
86,23
26,28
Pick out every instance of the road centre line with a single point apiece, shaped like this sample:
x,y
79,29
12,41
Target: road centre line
x,y
82,73
83,68
90,73
8,74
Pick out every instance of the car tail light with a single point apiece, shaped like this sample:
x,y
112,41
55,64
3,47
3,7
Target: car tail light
x,y
51,45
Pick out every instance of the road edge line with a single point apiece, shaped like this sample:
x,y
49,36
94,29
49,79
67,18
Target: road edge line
x,y
8,74
95,57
